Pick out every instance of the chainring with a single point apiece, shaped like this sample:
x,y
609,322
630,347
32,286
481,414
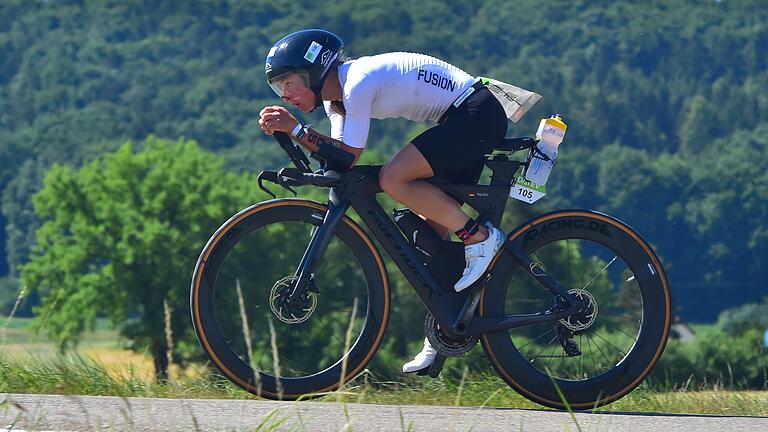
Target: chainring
x,y
443,344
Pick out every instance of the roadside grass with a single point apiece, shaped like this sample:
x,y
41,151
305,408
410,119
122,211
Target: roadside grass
x,y
103,345
30,364
77,375
487,390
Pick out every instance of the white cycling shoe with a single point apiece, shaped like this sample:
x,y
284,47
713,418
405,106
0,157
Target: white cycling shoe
x,y
479,256
423,360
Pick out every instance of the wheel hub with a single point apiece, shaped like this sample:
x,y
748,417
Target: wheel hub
x,y
291,312
586,317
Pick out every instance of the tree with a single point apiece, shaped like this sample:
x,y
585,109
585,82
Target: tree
x,y
751,316
78,77
120,236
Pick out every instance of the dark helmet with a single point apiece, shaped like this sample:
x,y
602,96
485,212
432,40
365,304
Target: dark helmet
x,y
309,53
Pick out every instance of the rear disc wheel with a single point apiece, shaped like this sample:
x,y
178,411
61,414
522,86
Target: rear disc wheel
x,y
600,354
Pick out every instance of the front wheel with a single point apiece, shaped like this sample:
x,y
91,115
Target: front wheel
x,y
599,355
279,349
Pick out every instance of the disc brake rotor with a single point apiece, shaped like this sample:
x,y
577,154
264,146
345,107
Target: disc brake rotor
x,y
291,313
584,319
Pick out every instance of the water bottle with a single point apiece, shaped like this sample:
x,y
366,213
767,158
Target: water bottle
x,y
550,134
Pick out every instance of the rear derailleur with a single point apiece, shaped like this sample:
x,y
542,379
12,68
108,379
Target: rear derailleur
x,y
565,336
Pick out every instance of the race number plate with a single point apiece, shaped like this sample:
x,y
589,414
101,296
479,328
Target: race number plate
x,y
526,191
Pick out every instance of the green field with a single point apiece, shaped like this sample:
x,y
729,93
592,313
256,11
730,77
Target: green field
x,y
17,338
19,344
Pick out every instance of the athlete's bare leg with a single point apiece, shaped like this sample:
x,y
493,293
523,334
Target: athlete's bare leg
x,y
441,230
402,178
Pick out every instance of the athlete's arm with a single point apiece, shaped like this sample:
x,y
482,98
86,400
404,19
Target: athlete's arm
x,y
313,139
279,119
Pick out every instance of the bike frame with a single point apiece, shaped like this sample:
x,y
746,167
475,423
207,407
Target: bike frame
x,y
453,311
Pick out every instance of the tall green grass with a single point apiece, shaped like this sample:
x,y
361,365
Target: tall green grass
x,y
37,368
75,375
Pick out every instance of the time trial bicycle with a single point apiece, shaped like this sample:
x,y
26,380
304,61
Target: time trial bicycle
x,y
574,311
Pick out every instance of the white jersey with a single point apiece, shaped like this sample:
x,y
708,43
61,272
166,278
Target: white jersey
x,y
414,86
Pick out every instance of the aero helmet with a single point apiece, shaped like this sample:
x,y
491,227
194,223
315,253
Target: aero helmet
x,y
309,53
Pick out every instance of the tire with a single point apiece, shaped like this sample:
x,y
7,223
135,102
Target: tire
x,y
288,358
616,273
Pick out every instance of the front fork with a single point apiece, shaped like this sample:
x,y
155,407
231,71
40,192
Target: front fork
x,y
317,245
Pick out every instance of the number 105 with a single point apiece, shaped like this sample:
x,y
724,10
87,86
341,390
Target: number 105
x,y
525,193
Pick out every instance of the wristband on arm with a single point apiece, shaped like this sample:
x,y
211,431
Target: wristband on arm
x,y
300,130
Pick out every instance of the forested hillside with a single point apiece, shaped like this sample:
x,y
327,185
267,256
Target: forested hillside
x,y
666,103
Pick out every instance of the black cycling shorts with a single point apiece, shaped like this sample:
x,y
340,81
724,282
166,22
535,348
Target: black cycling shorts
x,y
456,146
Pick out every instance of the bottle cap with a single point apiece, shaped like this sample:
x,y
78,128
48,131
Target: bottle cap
x,y
556,121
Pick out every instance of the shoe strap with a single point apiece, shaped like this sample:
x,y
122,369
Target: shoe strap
x,y
474,250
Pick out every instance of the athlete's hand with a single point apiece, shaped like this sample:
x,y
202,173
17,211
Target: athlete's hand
x,y
277,119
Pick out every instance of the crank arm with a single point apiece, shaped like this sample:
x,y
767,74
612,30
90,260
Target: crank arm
x,y
435,368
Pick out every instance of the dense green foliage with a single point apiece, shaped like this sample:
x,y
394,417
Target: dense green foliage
x,y
715,359
745,318
119,238
665,103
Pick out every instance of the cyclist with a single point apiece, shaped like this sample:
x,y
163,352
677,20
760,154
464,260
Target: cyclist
x,y
308,69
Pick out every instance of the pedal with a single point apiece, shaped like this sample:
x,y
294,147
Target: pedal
x,y
437,366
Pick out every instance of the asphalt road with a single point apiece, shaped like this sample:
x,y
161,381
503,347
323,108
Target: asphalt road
x,y
91,413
